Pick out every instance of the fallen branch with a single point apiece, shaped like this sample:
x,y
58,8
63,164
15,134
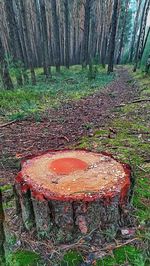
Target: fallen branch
x,y
135,101
7,124
64,137
141,100
120,245
138,133
142,169
79,243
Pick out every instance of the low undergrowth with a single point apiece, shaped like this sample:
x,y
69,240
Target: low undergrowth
x,y
24,258
31,101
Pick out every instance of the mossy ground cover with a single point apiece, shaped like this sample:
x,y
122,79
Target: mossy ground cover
x,y
24,258
31,101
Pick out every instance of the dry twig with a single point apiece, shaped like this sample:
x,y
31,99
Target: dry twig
x,y
7,124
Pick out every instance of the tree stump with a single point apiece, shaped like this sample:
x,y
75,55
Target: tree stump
x,y
69,194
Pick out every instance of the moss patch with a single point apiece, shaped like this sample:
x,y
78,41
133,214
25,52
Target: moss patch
x,y
127,255
72,258
23,258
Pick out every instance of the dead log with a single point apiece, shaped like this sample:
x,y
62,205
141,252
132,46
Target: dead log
x,y
65,195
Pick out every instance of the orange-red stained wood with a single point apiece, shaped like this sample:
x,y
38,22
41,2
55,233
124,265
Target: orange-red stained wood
x,y
65,166
75,175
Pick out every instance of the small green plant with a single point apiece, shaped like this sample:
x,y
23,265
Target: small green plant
x,y
127,255
23,258
72,258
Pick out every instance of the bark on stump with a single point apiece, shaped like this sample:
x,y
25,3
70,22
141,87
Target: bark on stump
x,y
2,235
69,194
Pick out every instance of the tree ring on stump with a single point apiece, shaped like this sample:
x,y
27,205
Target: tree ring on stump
x,y
72,191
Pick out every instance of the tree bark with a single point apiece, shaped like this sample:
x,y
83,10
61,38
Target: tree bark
x,y
56,36
147,65
27,41
2,235
14,40
6,79
67,35
45,39
134,31
123,32
112,38
85,59
141,34
145,42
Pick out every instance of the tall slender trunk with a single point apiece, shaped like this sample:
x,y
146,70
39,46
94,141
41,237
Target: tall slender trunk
x,y
141,34
112,37
14,39
145,42
85,59
56,36
134,31
147,67
38,32
67,35
123,32
27,41
4,72
74,47
45,39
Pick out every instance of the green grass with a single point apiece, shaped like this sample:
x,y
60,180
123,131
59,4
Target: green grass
x,y
29,100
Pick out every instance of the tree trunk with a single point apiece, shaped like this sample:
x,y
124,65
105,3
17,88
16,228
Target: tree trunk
x,y
14,40
74,55
112,37
74,202
104,50
22,33
45,39
33,77
123,32
38,32
4,72
67,35
56,36
134,31
145,42
141,34
85,55
147,65
27,41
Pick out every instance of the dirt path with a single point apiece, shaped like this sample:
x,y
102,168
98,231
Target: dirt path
x,y
63,127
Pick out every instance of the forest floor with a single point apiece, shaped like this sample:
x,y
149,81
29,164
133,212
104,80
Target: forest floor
x,y
115,119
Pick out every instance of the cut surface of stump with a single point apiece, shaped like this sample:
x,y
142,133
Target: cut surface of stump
x,y
66,194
